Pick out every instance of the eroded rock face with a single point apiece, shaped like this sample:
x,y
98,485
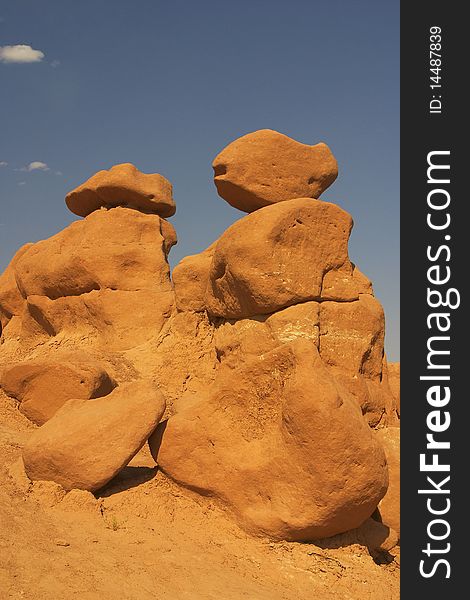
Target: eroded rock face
x,y
105,279
123,185
301,321
265,167
239,341
255,277
352,335
345,284
183,358
87,442
43,386
278,443
117,249
351,345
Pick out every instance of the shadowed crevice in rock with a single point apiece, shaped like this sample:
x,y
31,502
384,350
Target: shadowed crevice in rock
x,y
126,479
38,315
219,170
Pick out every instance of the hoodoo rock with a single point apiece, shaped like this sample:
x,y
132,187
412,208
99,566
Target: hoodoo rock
x,y
268,348
87,442
123,185
43,386
117,249
278,443
265,167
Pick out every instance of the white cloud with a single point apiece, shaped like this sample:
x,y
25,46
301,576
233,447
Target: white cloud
x,y
22,183
21,53
55,64
36,165
3,163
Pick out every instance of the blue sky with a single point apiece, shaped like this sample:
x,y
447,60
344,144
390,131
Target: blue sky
x,y
166,85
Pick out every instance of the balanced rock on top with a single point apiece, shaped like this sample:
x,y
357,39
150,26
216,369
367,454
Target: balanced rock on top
x,y
265,167
123,185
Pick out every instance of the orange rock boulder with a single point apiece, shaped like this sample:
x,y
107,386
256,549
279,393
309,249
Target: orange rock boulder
x,y
276,257
87,442
123,185
279,444
43,386
265,167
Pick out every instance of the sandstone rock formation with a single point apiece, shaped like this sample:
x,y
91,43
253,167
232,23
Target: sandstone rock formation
x,y
87,442
256,270
190,278
265,167
105,278
259,262
265,351
123,185
43,386
281,444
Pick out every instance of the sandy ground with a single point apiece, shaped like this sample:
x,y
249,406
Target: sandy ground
x,y
144,538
